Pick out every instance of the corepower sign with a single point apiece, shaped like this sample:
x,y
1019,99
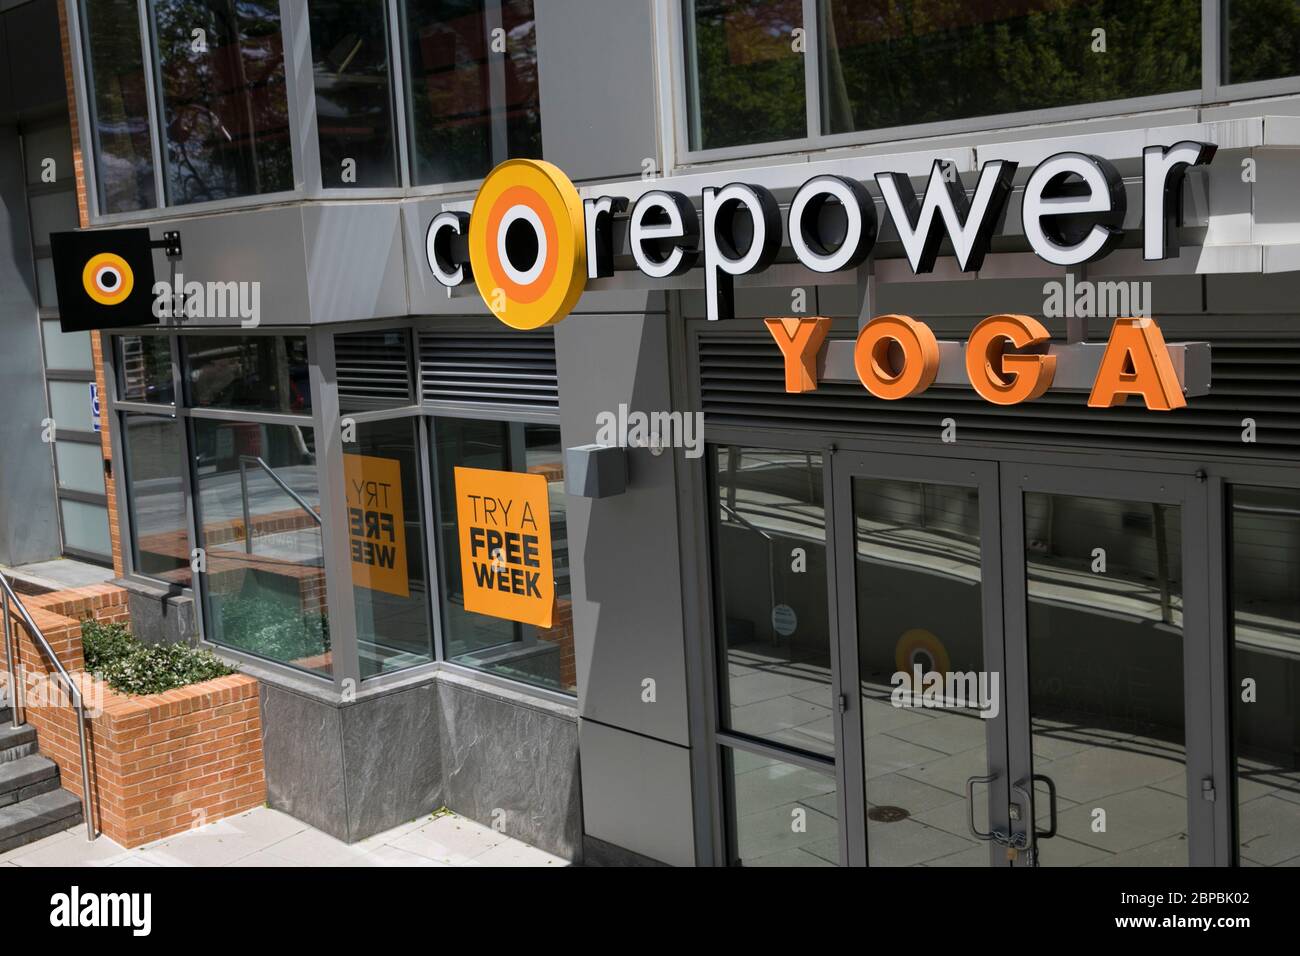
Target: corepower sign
x,y
531,243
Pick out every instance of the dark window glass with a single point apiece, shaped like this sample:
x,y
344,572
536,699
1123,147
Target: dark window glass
x,y
119,112
746,79
1266,672
225,119
354,97
144,369
155,491
258,504
1261,40
386,546
775,640
919,609
472,86
265,373
781,814
901,62
1104,614
520,651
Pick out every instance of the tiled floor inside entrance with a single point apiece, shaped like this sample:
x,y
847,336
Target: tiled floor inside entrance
x,y
265,837
918,760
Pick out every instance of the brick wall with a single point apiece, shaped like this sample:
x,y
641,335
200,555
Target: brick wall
x,y
160,763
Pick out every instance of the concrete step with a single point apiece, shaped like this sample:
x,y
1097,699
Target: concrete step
x,y
36,817
16,742
26,777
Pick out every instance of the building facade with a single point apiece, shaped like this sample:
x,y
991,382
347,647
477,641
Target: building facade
x,y
750,593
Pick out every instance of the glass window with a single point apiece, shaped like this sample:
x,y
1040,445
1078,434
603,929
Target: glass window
x,y
520,651
155,493
225,119
901,62
1265,575
746,80
144,369
1261,40
119,111
66,351
354,99
85,527
775,635
259,526
781,814
386,546
265,373
919,613
71,406
80,466
472,80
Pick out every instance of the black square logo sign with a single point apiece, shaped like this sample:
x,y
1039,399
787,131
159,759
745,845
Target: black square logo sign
x,y
104,279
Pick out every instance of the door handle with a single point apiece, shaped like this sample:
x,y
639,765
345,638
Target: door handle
x,y
970,807
1051,807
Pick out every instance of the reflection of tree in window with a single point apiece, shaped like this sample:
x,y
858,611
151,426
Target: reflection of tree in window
x,y
750,79
123,155
1263,40
453,114
900,62
224,112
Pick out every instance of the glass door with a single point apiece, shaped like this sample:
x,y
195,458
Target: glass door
x,y
1108,667
919,590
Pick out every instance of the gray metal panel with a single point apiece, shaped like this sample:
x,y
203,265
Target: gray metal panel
x,y
597,75
636,793
627,610
263,245
354,261
34,58
28,525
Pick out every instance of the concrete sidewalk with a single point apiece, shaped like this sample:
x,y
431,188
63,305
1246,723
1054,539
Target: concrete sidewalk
x,y
265,837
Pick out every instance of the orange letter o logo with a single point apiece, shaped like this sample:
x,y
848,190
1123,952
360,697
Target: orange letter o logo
x,y
1008,379
528,244
911,368
107,278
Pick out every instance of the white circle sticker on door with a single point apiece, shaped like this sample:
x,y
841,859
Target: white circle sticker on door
x,y
784,620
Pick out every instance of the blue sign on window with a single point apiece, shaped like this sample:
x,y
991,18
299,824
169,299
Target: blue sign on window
x,y
94,403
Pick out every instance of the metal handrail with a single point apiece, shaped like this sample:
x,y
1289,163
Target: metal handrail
x,y
38,638
244,462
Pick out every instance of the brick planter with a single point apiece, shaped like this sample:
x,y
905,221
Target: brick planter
x,y
159,763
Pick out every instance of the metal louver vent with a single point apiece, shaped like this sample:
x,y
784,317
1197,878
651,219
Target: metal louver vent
x,y
489,367
1255,375
374,369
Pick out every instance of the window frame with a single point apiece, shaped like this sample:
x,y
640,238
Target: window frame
x,y
300,92
674,35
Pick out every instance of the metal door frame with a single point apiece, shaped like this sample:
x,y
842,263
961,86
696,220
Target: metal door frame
x,y
1208,815
983,476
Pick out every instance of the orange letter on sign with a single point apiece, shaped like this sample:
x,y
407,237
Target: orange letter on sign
x,y
1008,379
800,341
915,368
1137,363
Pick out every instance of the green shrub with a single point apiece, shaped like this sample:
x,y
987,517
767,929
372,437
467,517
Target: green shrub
x,y
131,667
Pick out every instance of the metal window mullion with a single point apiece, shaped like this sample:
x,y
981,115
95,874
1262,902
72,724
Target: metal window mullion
x,y
690,100
397,85
152,90
300,94
339,598
79,57
1212,39
432,537
811,64
496,62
